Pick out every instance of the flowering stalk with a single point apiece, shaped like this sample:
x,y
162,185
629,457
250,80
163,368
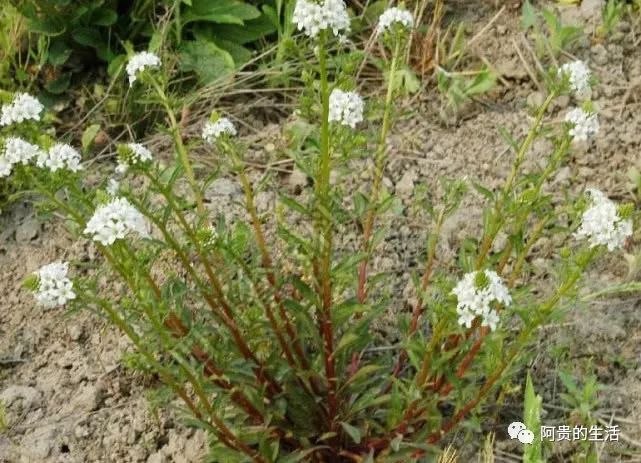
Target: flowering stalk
x,y
518,345
495,228
324,232
379,166
183,154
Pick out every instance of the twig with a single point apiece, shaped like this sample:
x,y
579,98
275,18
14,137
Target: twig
x,y
528,69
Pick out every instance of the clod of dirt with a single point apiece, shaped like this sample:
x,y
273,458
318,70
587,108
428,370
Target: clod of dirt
x,y
27,230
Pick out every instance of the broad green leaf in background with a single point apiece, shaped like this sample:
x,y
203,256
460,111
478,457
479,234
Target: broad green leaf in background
x,y
59,85
528,15
206,59
59,52
104,17
220,11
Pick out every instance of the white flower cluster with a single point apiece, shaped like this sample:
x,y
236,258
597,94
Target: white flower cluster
x,y
139,62
115,220
54,287
213,130
23,107
311,17
584,124
579,76
60,156
345,108
476,302
16,151
602,224
394,15
5,167
137,153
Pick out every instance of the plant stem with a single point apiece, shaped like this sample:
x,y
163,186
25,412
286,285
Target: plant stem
x,y
490,234
183,154
324,230
267,262
379,166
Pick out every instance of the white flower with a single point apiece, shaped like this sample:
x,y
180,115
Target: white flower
x,y
579,77
112,187
602,224
345,108
311,17
23,107
213,130
139,62
54,287
5,167
16,150
584,124
136,153
475,302
394,15
60,156
116,220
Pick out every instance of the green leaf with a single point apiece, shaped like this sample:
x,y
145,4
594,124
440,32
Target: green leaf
x,y
206,59
294,205
48,27
482,83
59,85
353,432
250,31
87,36
528,15
104,17
89,135
220,11
116,64
532,420
59,52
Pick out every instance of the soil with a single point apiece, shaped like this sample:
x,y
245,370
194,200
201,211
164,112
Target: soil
x,y
69,398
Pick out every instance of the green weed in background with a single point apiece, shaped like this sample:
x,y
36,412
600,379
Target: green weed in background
x,y
211,37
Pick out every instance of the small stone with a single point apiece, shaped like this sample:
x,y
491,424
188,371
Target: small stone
x,y
75,332
222,187
40,443
263,201
405,186
27,231
81,431
23,398
535,99
296,181
157,457
599,54
563,175
563,101
89,398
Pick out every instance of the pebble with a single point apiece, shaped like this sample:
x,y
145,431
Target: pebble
x,y
75,332
27,231
296,181
405,186
223,187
